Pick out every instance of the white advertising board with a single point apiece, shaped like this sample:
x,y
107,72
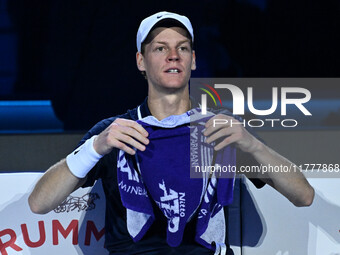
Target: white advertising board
x,y
77,226
287,230
270,225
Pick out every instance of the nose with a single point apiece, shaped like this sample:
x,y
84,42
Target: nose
x,y
173,55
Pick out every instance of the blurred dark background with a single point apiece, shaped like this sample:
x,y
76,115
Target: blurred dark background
x,y
80,54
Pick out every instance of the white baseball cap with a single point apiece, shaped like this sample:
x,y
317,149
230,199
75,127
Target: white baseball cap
x,y
148,23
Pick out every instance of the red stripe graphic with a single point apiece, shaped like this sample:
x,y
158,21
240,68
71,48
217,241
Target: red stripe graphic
x,y
215,92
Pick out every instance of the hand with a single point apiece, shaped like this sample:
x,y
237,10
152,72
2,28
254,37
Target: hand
x,y
120,134
232,131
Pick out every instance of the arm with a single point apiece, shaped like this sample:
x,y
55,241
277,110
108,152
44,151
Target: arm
x,y
293,185
59,180
53,188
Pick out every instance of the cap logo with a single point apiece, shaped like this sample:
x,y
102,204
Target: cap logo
x,y
159,16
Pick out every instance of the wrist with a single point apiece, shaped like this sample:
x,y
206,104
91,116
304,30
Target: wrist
x,y
83,159
258,148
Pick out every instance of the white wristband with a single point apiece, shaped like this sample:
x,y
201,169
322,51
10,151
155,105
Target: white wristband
x,y
83,159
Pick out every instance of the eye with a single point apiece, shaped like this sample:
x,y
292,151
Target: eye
x,y
183,48
160,48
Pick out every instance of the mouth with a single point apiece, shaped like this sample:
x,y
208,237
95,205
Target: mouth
x,y
173,71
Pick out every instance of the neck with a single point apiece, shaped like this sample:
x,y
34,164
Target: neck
x,y
162,106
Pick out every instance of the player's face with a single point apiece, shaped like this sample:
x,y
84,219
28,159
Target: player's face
x,y
168,59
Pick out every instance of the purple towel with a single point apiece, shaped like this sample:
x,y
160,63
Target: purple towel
x,y
176,146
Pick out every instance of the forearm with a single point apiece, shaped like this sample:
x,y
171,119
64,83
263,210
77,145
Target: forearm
x,y
59,181
292,184
53,187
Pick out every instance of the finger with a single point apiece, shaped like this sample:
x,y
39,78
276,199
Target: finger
x,y
218,122
213,129
135,134
221,133
226,141
124,147
126,139
214,119
131,128
132,124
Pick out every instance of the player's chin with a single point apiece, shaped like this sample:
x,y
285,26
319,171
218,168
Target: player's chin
x,y
175,81
174,84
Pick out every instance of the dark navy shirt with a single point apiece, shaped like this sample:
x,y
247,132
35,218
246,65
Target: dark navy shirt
x,y
117,238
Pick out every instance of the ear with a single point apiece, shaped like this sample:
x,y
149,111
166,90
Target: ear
x,y
193,62
140,61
